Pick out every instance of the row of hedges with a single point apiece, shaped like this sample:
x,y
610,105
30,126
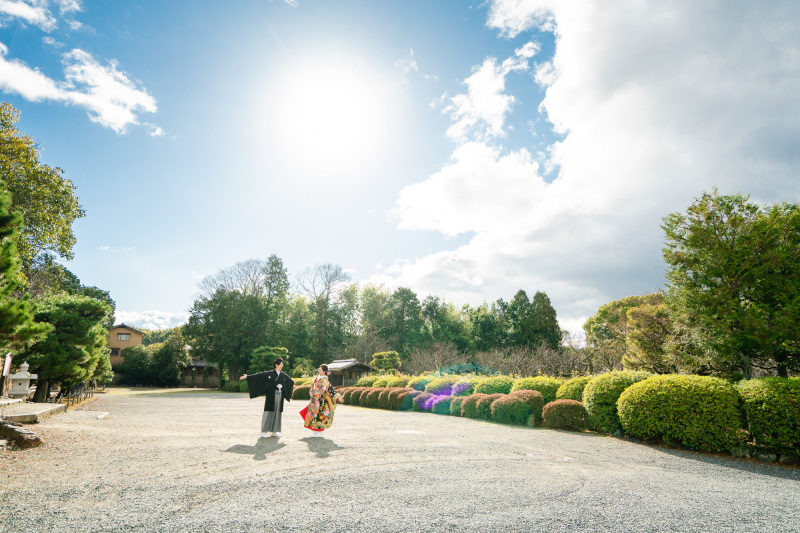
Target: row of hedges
x,y
697,412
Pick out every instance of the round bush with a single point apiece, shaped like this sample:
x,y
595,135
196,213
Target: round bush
x,y
383,399
772,412
368,380
699,412
406,399
495,385
440,405
422,402
572,389
469,407
535,403
565,414
455,405
380,383
442,386
545,384
419,382
362,400
465,386
394,394
348,394
373,396
483,407
301,393
396,381
601,394
511,409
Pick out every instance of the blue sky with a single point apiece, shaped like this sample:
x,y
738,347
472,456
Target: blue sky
x,y
463,150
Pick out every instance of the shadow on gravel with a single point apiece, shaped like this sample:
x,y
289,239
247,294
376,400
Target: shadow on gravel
x,y
260,450
745,465
322,447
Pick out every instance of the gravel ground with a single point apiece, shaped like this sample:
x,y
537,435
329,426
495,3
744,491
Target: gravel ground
x,y
188,461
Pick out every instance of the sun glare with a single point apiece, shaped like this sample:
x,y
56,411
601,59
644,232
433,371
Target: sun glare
x,y
330,116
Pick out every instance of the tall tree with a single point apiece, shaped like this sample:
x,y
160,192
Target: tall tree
x,y
323,284
45,199
734,276
17,326
71,350
544,322
405,332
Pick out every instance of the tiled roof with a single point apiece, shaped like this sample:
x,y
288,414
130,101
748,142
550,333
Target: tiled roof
x,y
342,364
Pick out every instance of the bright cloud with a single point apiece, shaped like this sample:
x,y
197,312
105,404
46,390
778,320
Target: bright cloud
x,y
657,103
151,319
111,98
33,12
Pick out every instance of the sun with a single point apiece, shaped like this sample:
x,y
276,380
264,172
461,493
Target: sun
x,y
330,114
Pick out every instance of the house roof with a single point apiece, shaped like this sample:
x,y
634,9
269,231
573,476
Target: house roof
x,y
128,327
347,364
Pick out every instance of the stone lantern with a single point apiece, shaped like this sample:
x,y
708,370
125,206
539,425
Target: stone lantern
x,y
21,382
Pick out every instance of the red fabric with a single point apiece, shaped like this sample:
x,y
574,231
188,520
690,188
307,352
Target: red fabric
x,y
303,414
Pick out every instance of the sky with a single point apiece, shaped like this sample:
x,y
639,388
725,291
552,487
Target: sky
x,y
465,150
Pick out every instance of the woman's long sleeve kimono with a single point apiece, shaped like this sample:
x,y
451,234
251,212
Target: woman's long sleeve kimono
x,y
319,412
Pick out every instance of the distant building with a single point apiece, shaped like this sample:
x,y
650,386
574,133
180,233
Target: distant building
x,y
200,374
121,337
345,372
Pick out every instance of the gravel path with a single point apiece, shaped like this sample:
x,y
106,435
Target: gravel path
x,y
188,461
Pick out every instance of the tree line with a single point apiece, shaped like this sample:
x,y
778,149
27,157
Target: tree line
x,y
47,316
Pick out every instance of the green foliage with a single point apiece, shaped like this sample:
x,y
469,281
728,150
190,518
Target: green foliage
x,y
71,350
483,407
17,326
772,410
469,407
442,386
406,399
154,336
363,398
734,280
455,405
572,389
368,380
136,369
40,194
385,360
547,385
565,414
493,385
422,401
535,402
419,382
601,394
466,386
381,383
302,392
350,394
699,412
440,405
231,386
650,332
372,397
394,397
511,409
383,399
169,361
262,358
404,330
396,381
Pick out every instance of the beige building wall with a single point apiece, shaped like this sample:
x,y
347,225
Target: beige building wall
x,y
121,337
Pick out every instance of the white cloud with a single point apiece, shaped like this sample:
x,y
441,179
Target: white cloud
x,y
32,12
111,98
151,319
657,102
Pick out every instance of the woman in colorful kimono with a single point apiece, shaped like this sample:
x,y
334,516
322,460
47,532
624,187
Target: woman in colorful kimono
x,y
318,414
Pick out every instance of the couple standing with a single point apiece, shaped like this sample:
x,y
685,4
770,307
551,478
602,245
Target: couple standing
x,y
277,386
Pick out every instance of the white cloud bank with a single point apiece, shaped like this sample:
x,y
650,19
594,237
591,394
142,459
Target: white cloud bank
x,y
151,319
657,103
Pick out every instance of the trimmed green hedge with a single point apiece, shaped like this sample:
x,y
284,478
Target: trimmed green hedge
x,y
373,396
565,414
601,394
394,394
348,395
483,407
442,386
494,385
397,381
303,392
368,380
381,383
422,401
440,405
362,400
698,412
535,402
383,399
406,399
469,407
545,384
511,409
572,389
455,405
465,386
419,382
772,412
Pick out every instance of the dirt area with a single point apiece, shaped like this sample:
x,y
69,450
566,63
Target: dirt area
x,y
183,460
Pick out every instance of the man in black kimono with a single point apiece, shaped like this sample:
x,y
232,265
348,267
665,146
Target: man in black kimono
x,y
276,386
